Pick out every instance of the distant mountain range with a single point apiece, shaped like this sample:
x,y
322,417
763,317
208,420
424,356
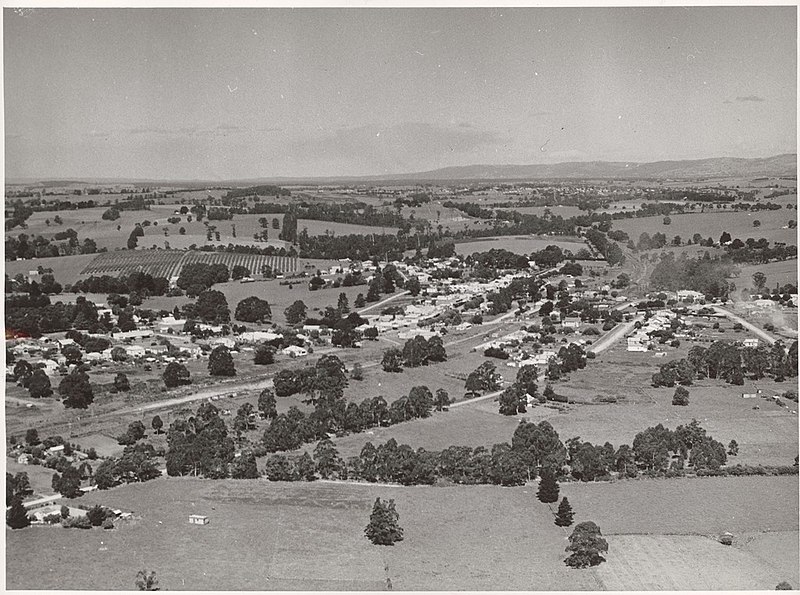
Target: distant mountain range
x,y
717,167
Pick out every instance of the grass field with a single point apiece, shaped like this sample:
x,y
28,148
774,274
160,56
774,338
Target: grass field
x,y
520,244
65,268
713,222
779,273
267,536
683,563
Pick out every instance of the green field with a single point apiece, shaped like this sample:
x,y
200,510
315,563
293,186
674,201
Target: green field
x,y
271,536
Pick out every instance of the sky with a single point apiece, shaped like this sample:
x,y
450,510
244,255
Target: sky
x,y
223,94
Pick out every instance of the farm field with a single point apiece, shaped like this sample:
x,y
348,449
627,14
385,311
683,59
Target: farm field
x,y
778,273
268,536
168,263
713,222
65,268
683,563
520,244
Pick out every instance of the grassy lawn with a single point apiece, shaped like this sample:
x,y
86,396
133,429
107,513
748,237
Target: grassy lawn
x,y
265,536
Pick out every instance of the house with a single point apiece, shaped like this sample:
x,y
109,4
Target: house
x,y
135,350
136,334
749,395
637,343
198,519
170,323
24,459
750,342
295,351
58,449
226,341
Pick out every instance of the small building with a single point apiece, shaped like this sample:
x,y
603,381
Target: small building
x,y
24,459
198,519
750,342
58,449
295,351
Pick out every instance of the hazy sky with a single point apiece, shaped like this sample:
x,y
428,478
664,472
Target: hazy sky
x,y
221,94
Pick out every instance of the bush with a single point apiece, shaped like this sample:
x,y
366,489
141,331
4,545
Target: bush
x,y
76,522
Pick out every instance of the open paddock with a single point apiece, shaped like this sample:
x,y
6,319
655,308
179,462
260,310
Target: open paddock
x,y
684,563
266,536
713,222
520,244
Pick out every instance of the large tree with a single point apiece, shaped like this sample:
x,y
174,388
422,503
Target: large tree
x,y
76,389
253,309
212,307
176,374
586,544
548,488
296,313
220,362
17,515
39,385
383,527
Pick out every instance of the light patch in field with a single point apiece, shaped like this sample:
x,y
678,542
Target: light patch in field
x,y
681,563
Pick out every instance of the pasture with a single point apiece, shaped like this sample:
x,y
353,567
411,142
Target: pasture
x,y
778,273
713,222
520,244
684,563
277,536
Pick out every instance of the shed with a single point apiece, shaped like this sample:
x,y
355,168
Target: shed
x,y
198,519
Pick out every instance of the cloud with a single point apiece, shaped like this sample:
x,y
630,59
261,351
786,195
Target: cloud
x,y
750,98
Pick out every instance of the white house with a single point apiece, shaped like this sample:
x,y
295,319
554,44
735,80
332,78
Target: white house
x,y
295,351
750,342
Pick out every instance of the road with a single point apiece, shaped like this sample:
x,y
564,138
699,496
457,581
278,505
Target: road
x,y
476,399
615,335
749,326
382,302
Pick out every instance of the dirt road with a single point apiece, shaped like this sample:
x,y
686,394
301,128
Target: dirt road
x,y
748,325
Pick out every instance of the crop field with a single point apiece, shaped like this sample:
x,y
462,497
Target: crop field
x,y
520,244
713,222
168,263
276,536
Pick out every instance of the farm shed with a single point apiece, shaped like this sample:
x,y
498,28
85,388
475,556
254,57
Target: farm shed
x,y
198,519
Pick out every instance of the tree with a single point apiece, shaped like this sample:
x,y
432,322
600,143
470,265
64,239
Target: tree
x,y
784,586
296,313
176,374
96,515
118,354
264,355
267,405
17,515
681,396
442,400
548,487
220,362
357,373
239,271
565,515
32,437
342,305
253,309
245,467
733,448
756,223
39,385
69,483
212,307
326,459
76,390
121,382
146,581
586,544
392,360
759,280
157,424
383,527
